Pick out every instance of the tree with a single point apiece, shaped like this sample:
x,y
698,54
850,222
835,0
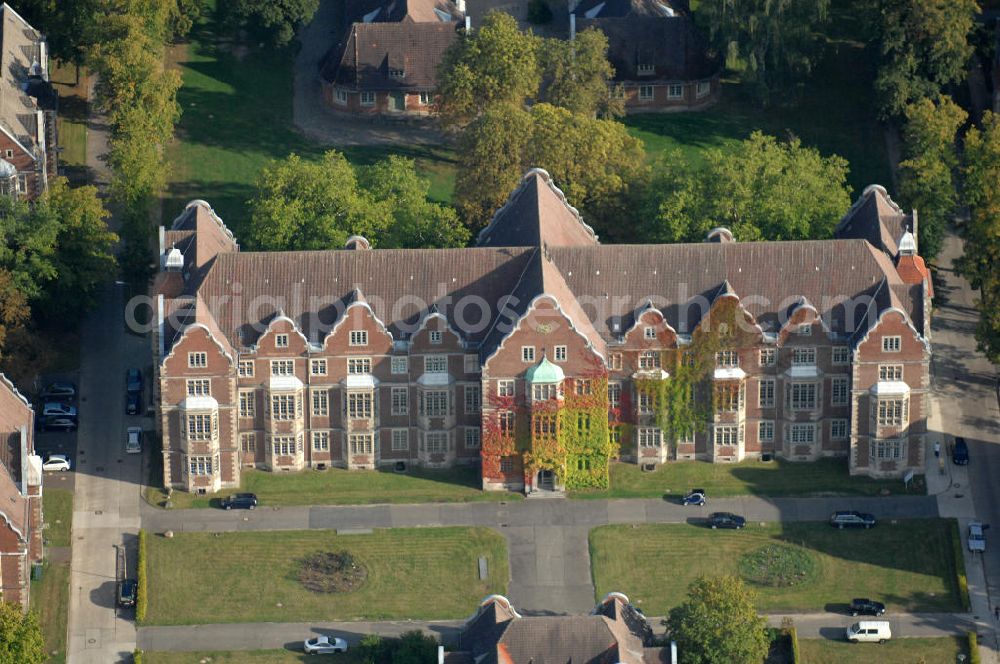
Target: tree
x,y
413,647
20,636
577,75
274,21
494,63
14,311
762,190
70,27
773,42
926,176
924,46
718,624
28,244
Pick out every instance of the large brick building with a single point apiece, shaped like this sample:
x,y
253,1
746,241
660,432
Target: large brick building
x,y
20,495
540,353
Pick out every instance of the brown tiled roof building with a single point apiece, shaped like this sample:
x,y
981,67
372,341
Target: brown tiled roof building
x,y
532,353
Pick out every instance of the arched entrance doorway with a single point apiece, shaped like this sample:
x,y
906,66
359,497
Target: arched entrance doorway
x,y
545,480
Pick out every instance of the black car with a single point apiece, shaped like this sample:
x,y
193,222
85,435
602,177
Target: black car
x,y
133,403
57,423
960,453
59,392
126,592
866,607
247,501
725,520
851,519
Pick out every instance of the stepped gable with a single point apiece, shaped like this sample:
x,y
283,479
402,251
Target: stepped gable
x,y
537,213
877,218
200,234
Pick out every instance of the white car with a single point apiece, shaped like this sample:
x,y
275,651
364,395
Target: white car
x,y
977,538
56,462
133,440
321,645
58,408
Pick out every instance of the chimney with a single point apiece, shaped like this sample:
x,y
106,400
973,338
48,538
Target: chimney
x,y
572,26
468,24
460,4
440,654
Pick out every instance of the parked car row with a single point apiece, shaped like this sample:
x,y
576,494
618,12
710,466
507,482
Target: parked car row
x,y
57,412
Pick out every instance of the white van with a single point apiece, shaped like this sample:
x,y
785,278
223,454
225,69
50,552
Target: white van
x,y
869,631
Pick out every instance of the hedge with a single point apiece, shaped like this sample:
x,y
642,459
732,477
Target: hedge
x,y
974,649
963,582
793,634
136,656
141,601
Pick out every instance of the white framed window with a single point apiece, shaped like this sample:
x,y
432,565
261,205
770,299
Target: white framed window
x,y
765,393
202,465
472,438
317,367
359,365
281,341
649,437
645,92
505,418
767,357
728,397
359,405
282,367
199,387
248,403
320,403
321,441
803,434
803,396
839,391
892,412
396,73
246,368
425,98
342,97
645,403
727,434
804,330
202,427
649,359
840,355
583,386
400,440
891,344
702,89
727,358
887,449
285,407
367,98
400,365
248,443
435,364
470,364
890,372
765,431
358,338
8,154
645,70
285,445
435,336
197,360
435,403
559,353
527,353
436,442
400,401
675,91
649,333
614,395
505,388
615,361
473,401
361,443
838,429
804,356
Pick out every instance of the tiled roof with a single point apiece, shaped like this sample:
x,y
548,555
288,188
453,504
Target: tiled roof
x,y
619,8
13,506
672,45
392,11
210,234
364,58
19,49
877,218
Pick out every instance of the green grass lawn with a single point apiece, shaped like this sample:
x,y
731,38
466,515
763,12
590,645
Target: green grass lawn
x,y
423,573
247,657
337,486
50,598
771,478
897,651
911,566
57,505
71,123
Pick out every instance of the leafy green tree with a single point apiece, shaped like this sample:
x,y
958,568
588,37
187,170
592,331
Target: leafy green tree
x,y
772,42
28,243
718,624
14,311
495,63
924,46
762,190
982,234
926,176
70,27
577,75
413,647
20,636
274,21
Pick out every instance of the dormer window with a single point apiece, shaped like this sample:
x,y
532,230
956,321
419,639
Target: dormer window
x,y
645,69
281,341
804,357
727,358
649,333
396,73
359,338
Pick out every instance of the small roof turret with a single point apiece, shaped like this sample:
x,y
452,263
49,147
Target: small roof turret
x,y
545,372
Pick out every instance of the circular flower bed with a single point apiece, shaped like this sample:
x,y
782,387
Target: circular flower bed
x,y
332,572
777,566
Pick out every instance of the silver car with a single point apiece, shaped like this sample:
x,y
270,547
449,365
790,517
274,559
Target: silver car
x,y
321,645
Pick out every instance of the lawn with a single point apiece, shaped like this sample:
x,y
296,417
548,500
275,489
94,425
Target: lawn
x,y
910,565
50,598
896,651
771,478
71,123
237,116
424,573
245,657
57,505
337,486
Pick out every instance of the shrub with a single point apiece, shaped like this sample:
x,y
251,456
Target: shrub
x,y
136,656
962,580
974,649
777,566
332,572
142,594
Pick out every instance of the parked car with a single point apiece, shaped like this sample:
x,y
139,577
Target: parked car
x,y
694,497
127,591
726,520
246,501
133,403
133,381
851,519
57,423
133,440
866,607
869,631
977,536
321,645
58,408
56,462
60,391
960,453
